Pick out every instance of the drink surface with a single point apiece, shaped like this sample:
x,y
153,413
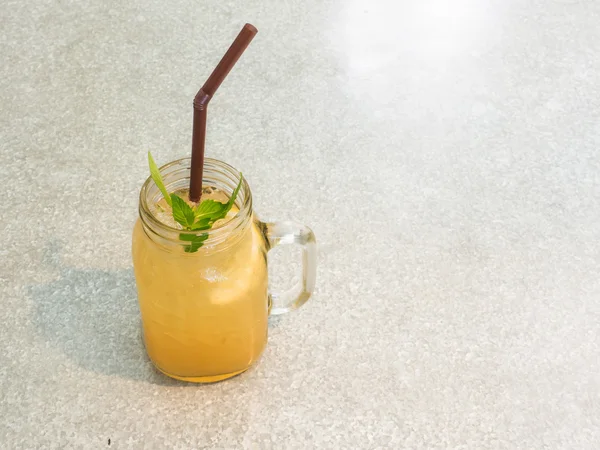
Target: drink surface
x,y
162,211
204,313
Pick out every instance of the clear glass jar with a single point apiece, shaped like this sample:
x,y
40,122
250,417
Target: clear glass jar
x,y
205,314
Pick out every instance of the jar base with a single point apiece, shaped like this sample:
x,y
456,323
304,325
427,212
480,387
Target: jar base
x,y
206,379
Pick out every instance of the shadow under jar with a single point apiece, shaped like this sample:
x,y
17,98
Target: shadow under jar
x,y
205,314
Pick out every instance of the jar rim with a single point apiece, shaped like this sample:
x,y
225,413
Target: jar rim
x,y
211,166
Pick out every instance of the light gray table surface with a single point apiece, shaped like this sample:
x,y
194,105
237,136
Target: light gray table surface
x,y
445,154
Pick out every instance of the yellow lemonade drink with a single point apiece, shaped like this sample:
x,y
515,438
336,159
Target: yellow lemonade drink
x,y
205,312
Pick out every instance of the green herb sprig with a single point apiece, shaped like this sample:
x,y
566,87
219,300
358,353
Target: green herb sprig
x,y
200,218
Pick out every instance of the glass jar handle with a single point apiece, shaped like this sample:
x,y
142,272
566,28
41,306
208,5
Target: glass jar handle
x,y
280,233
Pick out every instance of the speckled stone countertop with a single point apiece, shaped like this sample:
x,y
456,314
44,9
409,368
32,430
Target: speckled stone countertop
x,y
446,155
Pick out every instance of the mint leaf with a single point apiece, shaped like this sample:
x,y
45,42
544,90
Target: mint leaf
x,y
195,242
200,218
201,225
155,174
182,212
208,209
234,195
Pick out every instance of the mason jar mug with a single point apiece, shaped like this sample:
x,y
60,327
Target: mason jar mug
x,y
205,312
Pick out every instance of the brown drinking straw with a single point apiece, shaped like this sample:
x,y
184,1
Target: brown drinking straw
x,y
201,103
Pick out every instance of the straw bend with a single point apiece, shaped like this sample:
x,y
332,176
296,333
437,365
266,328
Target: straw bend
x,y
201,100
